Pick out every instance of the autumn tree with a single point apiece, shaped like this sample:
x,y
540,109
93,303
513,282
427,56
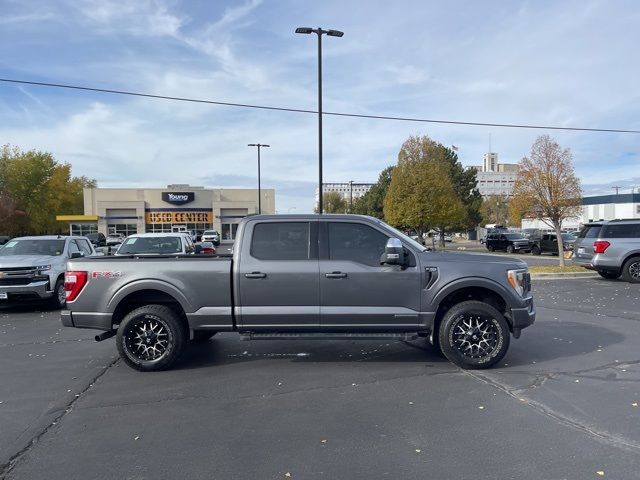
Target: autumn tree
x,y
547,187
495,209
36,187
333,202
421,194
372,202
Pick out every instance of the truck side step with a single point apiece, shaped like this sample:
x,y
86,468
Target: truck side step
x,y
329,336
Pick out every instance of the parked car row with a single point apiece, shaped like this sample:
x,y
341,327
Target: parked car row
x,y
536,244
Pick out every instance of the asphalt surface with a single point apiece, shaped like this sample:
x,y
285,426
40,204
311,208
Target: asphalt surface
x,y
562,405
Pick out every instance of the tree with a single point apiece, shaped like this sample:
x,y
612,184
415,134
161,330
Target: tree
x,y
372,202
421,194
495,209
333,202
36,187
547,187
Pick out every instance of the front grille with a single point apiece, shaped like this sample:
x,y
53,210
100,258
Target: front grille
x,y
21,280
17,269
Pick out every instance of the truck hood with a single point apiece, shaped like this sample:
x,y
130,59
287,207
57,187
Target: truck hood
x,y
509,263
16,261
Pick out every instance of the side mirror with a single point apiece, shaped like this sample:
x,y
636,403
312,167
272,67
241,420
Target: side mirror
x,y
198,249
393,253
76,255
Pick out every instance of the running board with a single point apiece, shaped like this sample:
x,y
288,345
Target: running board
x,y
329,336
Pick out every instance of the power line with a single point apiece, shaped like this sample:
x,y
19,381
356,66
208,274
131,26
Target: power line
x,y
299,110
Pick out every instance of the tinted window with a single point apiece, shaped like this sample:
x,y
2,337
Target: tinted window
x,y
621,231
73,247
356,242
281,241
513,236
151,245
589,231
33,247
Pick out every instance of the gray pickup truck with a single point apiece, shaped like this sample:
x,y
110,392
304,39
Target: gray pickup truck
x,y
304,276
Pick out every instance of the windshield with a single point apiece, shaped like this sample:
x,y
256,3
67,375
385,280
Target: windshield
x,y
51,248
513,236
404,237
568,236
151,245
210,232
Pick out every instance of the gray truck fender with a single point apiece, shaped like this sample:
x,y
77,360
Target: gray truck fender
x,y
506,295
148,284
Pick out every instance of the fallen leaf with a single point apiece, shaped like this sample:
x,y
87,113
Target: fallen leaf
x,y
410,403
287,475
634,404
600,472
136,437
577,381
481,407
323,441
418,450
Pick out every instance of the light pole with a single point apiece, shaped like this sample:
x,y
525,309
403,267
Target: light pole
x,y
350,196
259,145
332,33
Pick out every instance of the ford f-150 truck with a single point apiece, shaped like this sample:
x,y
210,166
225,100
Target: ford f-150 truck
x,y
304,276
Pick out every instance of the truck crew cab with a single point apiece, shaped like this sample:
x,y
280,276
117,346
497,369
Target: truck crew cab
x,y
312,276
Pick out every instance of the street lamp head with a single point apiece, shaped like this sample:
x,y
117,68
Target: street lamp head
x,y
252,145
335,33
305,30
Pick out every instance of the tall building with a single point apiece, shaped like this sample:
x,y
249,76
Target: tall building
x,y
348,190
495,178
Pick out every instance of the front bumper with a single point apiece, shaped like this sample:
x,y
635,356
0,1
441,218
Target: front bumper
x,y
34,291
523,317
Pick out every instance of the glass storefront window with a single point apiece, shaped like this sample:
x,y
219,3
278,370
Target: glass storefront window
x,y
229,231
125,228
82,229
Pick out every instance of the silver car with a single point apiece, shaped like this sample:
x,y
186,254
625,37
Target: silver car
x,y
611,248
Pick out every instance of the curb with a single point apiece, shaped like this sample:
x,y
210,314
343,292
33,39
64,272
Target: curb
x,y
559,276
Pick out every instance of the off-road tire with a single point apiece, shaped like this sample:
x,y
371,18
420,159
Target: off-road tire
x,y
168,328
510,249
631,270
535,251
459,320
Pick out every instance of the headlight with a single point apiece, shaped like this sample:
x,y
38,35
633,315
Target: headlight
x,y
43,268
518,279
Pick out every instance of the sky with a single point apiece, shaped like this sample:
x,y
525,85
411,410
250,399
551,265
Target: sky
x,y
569,63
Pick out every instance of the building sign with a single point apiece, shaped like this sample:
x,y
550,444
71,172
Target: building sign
x,y
179,217
178,198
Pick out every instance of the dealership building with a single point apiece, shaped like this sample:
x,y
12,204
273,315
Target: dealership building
x,y
175,208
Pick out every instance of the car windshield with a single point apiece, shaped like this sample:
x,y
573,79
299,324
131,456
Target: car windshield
x,y
150,245
568,236
513,236
210,232
34,246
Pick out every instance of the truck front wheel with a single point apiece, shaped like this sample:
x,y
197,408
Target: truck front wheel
x,y
474,335
151,338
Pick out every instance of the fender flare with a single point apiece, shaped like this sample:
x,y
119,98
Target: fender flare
x,y
148,284
509,298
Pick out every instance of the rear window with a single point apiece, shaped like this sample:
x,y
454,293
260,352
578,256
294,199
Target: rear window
x,y
151,245
281,241
590,231
630,230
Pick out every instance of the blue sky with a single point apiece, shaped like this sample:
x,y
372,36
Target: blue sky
x,y
569,63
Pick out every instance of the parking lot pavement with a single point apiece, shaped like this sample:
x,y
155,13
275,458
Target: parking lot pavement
x,y
562,404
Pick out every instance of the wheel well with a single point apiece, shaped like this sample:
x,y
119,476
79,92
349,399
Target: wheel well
x,y
468,293
147,297
629,257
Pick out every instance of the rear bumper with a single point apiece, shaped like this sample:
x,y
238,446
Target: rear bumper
x,y
33,290
96,321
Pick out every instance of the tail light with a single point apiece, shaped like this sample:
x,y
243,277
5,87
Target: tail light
x,y
600,246
74,282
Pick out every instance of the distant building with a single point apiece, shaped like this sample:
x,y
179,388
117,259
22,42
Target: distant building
x,y
495,178
348,190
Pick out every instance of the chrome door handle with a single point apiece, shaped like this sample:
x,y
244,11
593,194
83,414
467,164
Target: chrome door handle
x,y
335,275
255,275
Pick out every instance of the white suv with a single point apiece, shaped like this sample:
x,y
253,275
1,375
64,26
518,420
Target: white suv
x,y
211,236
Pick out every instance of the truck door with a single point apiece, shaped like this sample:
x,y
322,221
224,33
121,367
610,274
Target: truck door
x,y
356,292
277,276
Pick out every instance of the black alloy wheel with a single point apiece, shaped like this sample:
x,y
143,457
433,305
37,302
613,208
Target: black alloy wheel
x,y
474,335
631,270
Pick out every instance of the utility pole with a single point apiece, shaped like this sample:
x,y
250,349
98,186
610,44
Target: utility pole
x,y
616,189
259,145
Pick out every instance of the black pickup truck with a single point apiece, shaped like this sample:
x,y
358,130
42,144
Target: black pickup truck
x,y
310,276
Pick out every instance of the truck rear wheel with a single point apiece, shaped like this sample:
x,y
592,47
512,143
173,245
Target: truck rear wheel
x,y
151,338
474,335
